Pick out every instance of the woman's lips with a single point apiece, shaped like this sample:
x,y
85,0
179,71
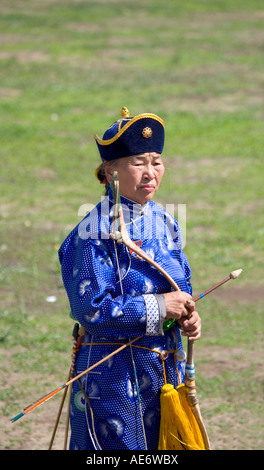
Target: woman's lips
x,y
147,187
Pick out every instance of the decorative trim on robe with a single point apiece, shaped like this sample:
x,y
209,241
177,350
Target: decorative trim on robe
x,y
156,312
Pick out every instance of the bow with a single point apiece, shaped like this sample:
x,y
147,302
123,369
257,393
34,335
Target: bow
x,y
121,236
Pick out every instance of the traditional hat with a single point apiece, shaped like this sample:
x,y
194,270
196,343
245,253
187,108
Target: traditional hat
x,y
131,136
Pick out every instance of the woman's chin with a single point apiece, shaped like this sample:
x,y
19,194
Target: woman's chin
x,y
147,194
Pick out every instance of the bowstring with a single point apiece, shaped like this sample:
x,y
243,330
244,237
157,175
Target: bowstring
x,y
117,204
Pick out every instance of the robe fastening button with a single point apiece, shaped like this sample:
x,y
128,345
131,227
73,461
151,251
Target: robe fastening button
x,y
180,355
164,355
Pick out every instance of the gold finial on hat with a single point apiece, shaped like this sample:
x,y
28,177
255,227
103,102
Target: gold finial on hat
x,y
125,112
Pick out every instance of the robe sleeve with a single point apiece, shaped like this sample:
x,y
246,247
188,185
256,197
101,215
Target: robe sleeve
x,y
89,276
188,272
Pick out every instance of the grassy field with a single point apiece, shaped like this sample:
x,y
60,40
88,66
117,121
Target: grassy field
x,y
66,70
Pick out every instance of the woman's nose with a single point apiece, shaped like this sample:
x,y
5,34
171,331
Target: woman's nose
x,y
148,172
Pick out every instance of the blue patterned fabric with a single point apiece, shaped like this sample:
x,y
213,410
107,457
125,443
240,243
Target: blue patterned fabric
x,y
113,295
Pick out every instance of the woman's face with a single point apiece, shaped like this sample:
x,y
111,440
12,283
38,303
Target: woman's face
x,y
139,176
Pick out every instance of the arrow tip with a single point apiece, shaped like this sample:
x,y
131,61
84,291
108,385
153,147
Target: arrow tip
x,y
235,274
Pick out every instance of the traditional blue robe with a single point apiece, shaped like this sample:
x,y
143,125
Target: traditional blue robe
x,y
114,295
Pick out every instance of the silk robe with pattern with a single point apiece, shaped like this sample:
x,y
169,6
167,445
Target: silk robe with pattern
x,y
112,294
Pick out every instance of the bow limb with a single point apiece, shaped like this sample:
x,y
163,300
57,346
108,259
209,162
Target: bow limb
x,y
121,236
132,246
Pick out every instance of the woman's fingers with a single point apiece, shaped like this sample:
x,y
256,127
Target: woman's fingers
x,y
178,304
190,306
191,326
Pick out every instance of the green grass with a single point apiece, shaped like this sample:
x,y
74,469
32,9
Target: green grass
x,y
67,68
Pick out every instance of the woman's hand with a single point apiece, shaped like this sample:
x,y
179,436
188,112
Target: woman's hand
x,y
192,326
179,305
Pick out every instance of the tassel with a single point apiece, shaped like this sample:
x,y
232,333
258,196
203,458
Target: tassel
x,y
178,427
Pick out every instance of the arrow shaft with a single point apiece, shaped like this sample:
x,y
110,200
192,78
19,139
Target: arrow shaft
x,y
203,294
54,392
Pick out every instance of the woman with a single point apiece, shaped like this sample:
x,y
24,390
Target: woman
x,y
116,296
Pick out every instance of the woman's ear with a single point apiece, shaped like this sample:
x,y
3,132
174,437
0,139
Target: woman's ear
x,y
109,170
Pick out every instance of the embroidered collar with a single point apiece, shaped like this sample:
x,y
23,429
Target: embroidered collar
x,y
131,209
